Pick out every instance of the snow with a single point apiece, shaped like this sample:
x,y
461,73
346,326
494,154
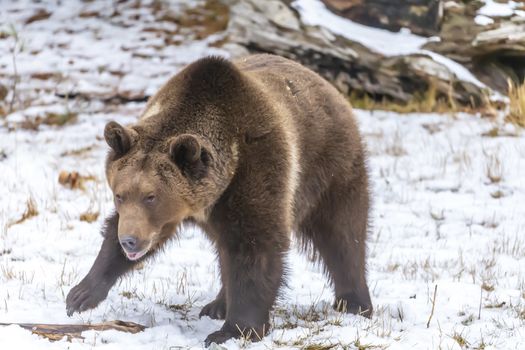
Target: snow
x,y
447,211
499,9
483,20
460,71
315,13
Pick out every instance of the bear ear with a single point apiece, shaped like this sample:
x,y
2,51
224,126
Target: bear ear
x,y
190,154
119,138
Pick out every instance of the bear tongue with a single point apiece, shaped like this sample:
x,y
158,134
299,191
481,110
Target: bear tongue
x,y
135,256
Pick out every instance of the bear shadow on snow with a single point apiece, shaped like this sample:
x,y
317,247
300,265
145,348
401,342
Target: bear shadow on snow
x,y
249,151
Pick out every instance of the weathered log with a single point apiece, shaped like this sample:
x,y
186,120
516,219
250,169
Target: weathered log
x,y
423,17
493,52
58,331
273,26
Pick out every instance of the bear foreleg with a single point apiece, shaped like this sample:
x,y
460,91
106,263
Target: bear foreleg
x,y
109,265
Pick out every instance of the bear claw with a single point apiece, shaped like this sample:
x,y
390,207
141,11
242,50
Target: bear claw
x,y
215,310
85,296
349,304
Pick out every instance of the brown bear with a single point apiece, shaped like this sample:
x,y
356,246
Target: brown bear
x,y
250,151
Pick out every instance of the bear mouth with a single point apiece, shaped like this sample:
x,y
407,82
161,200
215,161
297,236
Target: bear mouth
x,y
135,256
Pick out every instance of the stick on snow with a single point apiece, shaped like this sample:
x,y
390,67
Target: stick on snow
x,y
58,331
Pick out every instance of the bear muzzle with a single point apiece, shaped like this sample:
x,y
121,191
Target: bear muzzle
x,y
133,247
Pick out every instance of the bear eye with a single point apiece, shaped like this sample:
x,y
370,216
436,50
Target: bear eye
x,y
118,198
150,199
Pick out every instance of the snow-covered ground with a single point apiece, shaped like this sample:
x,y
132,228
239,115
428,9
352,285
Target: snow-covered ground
x,y
449,194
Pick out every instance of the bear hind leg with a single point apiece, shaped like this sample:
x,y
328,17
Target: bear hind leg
x,y
337,231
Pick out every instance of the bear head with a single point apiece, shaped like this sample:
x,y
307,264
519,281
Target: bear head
x,y
180,157
157,184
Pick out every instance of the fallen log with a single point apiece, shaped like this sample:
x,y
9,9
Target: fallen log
x,y
355,68
58,331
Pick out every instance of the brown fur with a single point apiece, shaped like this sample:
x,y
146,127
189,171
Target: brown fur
x,y
250,151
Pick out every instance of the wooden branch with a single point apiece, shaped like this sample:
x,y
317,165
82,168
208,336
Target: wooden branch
x,y
58,331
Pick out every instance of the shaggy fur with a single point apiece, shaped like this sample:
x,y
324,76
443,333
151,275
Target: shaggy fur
x,y
250,151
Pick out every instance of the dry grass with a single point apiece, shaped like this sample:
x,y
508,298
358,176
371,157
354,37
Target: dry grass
x,y
318,347
9,272
68,275
89,216
77,152
432,101
460,340
394,146
49,118
494,168
74,180
31,211
427,101
367,346
497,194
512,245
196,22
517,104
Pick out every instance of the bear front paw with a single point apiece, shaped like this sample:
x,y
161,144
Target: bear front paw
x,y
84,296
215,310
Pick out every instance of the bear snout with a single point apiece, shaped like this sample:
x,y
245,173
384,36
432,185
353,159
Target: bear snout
x,y
129,243
133,247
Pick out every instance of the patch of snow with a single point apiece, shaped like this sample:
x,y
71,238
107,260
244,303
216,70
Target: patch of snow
x,y
483,20
497,9
315,13
460,71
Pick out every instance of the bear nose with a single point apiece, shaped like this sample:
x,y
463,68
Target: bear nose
x,y
129,243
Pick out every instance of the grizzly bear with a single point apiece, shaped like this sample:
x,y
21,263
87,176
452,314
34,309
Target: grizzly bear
x,y
250,151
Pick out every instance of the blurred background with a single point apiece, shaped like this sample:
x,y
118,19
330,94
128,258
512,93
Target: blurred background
x,y
401,55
